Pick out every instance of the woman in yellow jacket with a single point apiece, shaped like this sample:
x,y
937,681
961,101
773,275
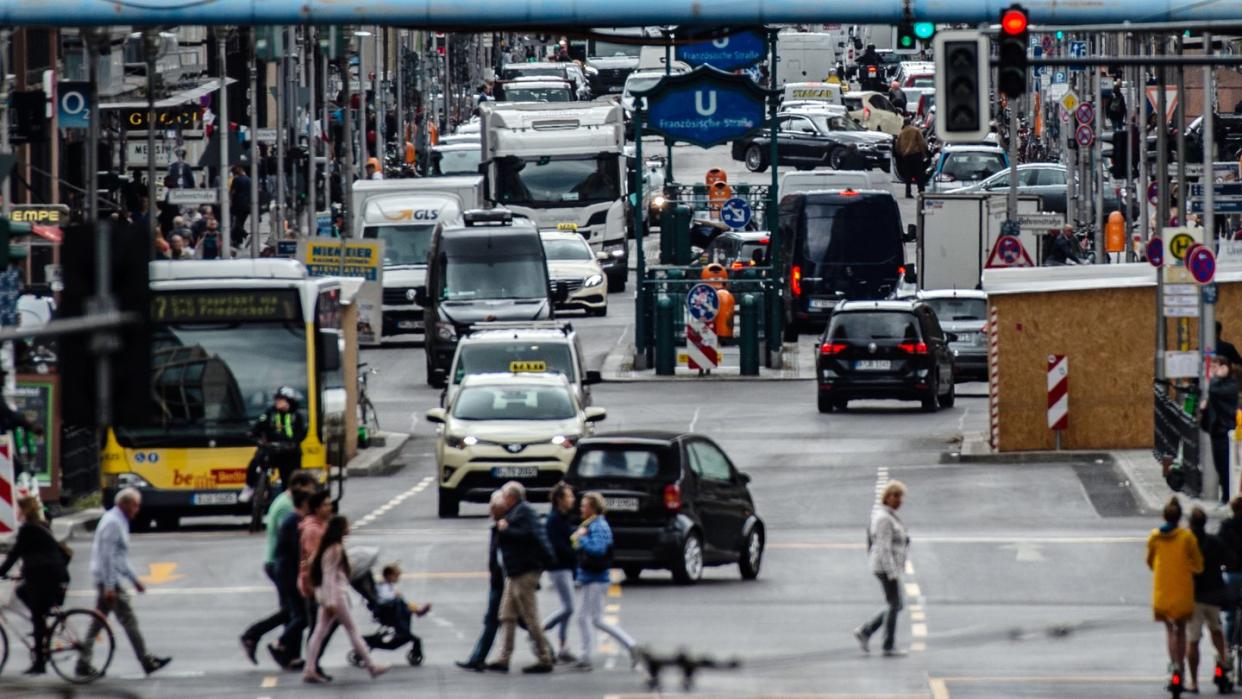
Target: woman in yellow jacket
x,y
1174,558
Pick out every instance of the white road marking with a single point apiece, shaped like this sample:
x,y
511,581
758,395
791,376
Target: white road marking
x,y
395,501
912,590
918,630
694,420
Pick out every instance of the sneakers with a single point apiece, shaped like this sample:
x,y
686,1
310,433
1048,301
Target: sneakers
x,y
245,494
565,656
863,639
153,664
472,666
496,667
537,669
249,647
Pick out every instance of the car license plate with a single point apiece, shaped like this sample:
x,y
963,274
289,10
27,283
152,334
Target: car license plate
x,y
215,498
621,504
873,365
822,303
407,324
515,471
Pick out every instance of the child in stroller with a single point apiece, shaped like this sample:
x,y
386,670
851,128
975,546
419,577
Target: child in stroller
x,y
388,608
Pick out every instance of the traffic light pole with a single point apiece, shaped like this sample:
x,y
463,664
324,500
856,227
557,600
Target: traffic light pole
x,y
5,148
256,212
226,220
1011,203
1207,304
151,52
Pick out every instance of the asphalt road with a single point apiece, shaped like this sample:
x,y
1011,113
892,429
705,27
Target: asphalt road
x,y
1018,585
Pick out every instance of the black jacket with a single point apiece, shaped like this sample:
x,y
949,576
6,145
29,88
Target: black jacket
x,y
1228,351
288,550
559,527
271,427
1063,250
1210,585
524,542
1230,535
1222,406
497,573
43,560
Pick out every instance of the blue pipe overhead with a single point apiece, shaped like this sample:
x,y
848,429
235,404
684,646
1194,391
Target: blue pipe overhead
x,y
471,15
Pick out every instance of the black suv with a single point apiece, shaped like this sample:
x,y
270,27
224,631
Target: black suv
x,y
884,349
675,502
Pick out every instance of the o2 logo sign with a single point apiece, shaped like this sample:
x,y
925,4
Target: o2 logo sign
x,y
73,105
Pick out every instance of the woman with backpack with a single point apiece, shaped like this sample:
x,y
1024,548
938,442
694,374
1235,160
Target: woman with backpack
x,y
593,542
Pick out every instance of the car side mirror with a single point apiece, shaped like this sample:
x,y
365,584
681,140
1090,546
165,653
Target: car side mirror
x,y
912,233
602,256
743,477
420,296
436,415
595,414
912,275
329,351
593,377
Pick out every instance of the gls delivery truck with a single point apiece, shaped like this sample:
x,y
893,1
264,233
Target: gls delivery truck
x,y
404,214
562,166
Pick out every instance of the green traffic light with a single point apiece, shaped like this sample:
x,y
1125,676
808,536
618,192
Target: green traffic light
x,y
906,42
924,30
1060,36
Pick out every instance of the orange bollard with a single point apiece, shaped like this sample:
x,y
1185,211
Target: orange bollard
x,y
1115,232
715,275
724,317
717,194
715,175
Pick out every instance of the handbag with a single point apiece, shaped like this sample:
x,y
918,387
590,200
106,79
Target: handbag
x,y
595,564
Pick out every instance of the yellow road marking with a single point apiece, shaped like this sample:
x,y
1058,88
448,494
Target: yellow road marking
x,y
160,573
614,590
269,682
939,688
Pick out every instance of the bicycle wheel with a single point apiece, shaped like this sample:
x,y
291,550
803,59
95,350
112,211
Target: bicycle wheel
x,y
67,639
258,502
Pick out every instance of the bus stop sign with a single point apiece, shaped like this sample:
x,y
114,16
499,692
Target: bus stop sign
x,y
705,107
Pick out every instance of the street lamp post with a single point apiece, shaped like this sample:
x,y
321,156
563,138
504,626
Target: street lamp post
x,y
226,221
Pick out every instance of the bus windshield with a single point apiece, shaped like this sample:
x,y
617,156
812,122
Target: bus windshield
x,y
208,381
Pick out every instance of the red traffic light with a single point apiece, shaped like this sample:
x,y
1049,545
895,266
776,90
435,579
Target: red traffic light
x,y
1014,21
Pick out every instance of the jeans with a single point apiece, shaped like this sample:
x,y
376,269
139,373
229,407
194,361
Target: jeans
x,y
129,622
261,627
1220,458
592,617
518,602
888,616
563,581
491,623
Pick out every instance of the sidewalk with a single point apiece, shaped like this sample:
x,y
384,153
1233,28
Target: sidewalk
x,y
797,363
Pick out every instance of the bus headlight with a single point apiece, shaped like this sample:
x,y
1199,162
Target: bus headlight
x,y
124,480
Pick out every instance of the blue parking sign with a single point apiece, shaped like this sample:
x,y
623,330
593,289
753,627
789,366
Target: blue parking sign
x,y
735,213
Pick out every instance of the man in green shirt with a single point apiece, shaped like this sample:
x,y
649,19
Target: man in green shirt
x,y
280,508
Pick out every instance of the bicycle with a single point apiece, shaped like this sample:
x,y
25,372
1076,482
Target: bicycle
x,y
67,631
368,419
263,493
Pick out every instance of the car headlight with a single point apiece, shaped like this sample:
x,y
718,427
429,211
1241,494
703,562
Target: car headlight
x,y
410,295
446,331
594,280
658,202
455,442
125,480
566,441
616,250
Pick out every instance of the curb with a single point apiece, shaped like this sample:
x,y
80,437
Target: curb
x,y
379,461
618,368
1028,457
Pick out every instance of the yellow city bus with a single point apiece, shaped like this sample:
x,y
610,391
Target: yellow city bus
x,y
225,334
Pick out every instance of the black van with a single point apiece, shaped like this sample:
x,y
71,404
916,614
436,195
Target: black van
x,y
837,244
492,268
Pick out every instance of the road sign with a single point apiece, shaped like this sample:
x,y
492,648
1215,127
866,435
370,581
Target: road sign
x,y
726,51
1153,191
1046,43
192,196
1070,102
1008,252
1077,49
265,135
1084,136
1210,292
1058,392
1085,114
73,105
1041,221
702,303
1181,300
1220,207
1202,264
1155,252
1180,245
705,107
735,213
1059,77
1170,100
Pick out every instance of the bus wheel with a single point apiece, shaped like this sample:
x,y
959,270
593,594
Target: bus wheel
x,y
167,522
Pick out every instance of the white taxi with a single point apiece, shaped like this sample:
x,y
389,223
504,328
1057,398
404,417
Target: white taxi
x,y
571,263
507,427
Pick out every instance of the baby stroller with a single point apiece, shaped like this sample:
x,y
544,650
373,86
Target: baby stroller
x,y
388,636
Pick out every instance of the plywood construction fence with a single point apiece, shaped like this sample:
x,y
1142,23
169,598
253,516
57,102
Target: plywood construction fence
x,y
1103,320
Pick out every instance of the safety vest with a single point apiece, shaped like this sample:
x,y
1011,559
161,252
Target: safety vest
x,y
287,428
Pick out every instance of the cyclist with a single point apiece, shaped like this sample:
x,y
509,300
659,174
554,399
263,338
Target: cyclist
x,y
280,425
45,573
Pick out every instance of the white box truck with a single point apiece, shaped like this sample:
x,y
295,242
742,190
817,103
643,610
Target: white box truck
x,y
805,57
404,214
562,166
956,234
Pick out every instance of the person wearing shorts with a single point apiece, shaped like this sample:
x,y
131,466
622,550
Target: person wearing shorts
x,y
1210,595
1174,558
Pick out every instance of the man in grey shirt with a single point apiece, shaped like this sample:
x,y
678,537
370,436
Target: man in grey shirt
x,y
109,565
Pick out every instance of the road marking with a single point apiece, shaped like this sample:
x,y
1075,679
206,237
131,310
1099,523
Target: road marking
x,y
395,501
251,589
918,630
161,573
939,686
912,590
917,615
776,695
918,647
269,682
909,568
694,420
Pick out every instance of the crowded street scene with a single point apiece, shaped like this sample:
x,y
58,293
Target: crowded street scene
x,y
552,349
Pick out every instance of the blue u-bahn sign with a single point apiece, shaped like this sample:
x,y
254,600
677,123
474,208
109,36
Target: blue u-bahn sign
x,y
729,50
705,107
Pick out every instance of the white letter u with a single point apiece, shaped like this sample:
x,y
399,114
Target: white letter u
x,y
710,109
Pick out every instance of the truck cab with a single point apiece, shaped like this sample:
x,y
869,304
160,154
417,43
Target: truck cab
x,y
563,167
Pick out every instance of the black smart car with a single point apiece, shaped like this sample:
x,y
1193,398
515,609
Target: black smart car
x,y
674,500
884,349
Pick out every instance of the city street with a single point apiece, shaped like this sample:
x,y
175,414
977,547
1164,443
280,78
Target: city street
x,y
1024,580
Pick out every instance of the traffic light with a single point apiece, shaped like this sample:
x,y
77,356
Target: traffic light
x,y
925,31
1012,73
269,44
906,41
962,86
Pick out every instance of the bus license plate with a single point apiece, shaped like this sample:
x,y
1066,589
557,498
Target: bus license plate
x,y
215,498
873,365
621,504
515,471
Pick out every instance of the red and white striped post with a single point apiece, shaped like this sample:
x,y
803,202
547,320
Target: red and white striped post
x,y
8,489
1058,395
994,375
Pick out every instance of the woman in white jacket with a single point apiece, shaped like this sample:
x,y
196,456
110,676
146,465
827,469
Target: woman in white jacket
x,y
887,544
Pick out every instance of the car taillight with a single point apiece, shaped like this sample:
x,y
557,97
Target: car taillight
x,y
795,280
737,265
913,347
832,348
672,497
